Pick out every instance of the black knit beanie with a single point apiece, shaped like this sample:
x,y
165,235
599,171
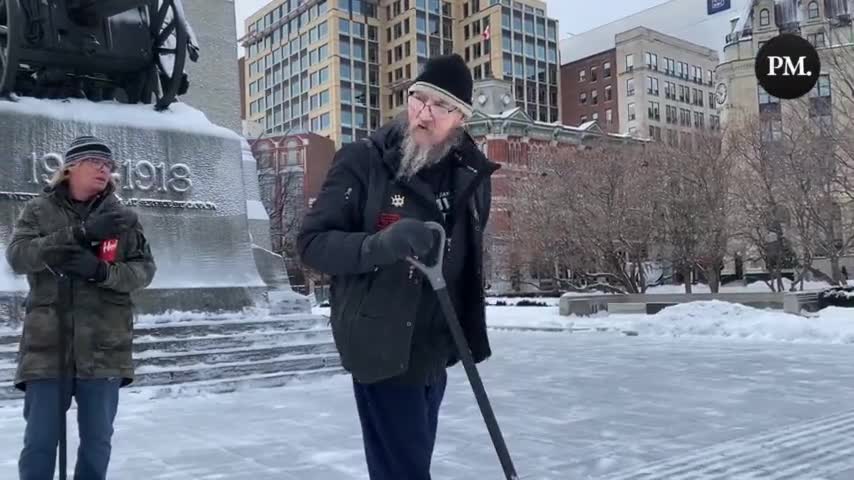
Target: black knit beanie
x,y
448,77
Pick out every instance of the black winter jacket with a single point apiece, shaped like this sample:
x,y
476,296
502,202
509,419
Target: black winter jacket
x,y
373,308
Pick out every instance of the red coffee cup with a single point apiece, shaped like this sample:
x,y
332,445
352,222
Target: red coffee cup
x,y
107,249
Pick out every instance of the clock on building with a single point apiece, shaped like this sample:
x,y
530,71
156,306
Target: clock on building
x,y
721,93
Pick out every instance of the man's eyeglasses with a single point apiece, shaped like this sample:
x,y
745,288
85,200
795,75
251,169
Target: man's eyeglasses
x,y
438,111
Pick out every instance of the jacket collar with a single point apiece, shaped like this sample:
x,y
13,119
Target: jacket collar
x,y
472,166
61,194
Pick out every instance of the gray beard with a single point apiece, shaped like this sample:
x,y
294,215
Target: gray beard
x,y
415,158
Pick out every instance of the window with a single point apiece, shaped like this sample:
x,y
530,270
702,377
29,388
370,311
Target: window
x,y
764,17
765,98
420,23
817,39
699,121
652,86
771,129
669,66
593,74
594,97
609,116
630,87
632,115
630,62
654,111
608,94
582,98
582,119
714,122
813,9
582,75
606,68
652,60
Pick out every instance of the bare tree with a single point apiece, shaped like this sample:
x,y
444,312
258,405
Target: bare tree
x,y
695,197
761,201
592,212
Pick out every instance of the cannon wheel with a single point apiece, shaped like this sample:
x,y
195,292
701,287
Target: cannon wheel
x,y
170,51
9,15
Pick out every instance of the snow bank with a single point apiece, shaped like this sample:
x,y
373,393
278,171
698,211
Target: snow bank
x,y
728,320
179,116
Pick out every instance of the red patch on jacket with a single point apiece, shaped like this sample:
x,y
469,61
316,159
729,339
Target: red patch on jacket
x,y
387,219
107,249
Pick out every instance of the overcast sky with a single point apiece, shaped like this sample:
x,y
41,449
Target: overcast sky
x,y
575,16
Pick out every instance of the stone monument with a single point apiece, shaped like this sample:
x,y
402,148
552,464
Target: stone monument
x,y
191,181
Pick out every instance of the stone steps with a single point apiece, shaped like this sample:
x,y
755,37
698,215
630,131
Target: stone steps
x,y
227,385
232,373
148,343
214,353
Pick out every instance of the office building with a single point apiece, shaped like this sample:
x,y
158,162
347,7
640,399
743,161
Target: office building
x,y
340,68
649,85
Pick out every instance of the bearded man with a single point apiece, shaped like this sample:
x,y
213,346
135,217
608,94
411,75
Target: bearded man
x,y
369,217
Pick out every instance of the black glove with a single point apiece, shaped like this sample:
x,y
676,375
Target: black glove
x,y
405,238
83,263
108,224
56,255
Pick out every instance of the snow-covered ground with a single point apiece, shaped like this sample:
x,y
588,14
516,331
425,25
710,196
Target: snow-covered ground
x,y
706,391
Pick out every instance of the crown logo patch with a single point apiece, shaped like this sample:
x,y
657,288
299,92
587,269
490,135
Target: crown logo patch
x,y
397,201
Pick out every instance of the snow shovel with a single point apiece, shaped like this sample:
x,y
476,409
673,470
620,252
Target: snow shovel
x,y
62,315
437,281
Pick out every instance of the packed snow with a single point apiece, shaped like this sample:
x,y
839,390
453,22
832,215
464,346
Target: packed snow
x,y
179,116
571,406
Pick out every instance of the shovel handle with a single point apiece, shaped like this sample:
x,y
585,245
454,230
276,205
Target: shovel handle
x,y
433,272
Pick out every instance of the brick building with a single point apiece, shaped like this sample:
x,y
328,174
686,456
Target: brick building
x,y
510,137
291,170
590,91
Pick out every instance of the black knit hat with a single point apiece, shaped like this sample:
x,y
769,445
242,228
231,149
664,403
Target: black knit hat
x,y
449,77
87,146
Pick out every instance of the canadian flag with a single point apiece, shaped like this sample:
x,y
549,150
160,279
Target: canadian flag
x,y
485,33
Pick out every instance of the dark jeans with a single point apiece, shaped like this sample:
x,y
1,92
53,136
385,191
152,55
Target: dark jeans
x,y
97,402
399,428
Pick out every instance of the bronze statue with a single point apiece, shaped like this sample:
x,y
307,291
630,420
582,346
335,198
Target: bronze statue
x,y
131,51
